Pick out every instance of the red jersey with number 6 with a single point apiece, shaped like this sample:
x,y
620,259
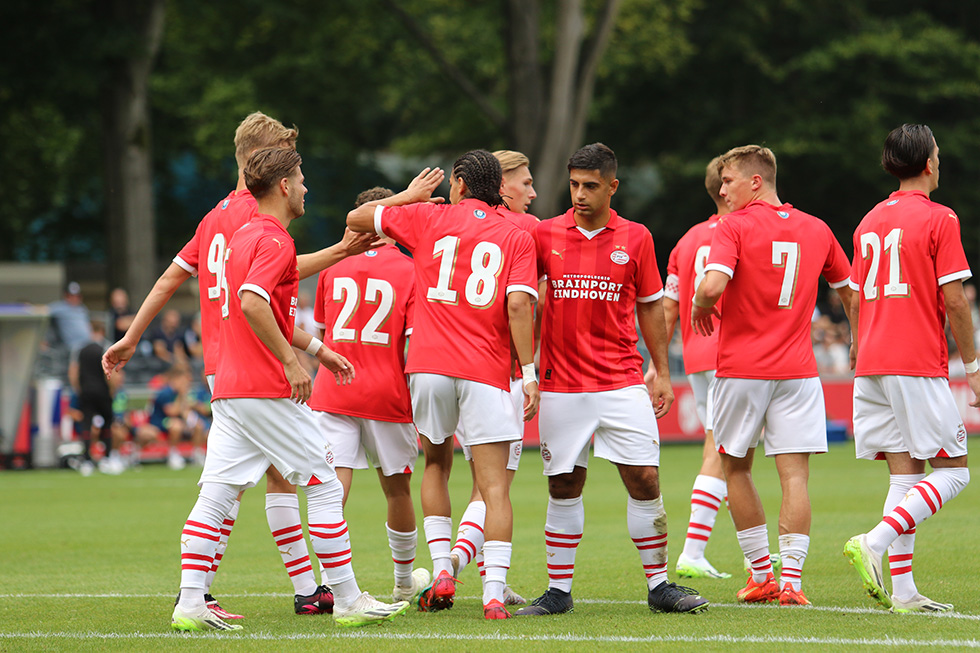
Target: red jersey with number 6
x,y
364,306
774,256
208,246
905,250
468,259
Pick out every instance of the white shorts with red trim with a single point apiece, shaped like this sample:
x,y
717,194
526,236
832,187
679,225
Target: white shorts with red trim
x,y
514,459
622,420
391,447
441,403
786,415
913,414
701,383
249,434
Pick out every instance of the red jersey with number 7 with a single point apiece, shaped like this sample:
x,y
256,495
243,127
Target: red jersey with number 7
x,y
468,259
774,256
364,307
204,257
905,250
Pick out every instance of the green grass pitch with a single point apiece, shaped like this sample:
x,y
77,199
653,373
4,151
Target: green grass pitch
x,y
92,564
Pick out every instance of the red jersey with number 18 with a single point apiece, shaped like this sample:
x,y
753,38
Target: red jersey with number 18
x,y
588,326
774,256
208,246
468,258
685,270
905,249
364,306
262,259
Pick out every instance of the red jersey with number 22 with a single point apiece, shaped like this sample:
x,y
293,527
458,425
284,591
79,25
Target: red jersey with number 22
x,y
588,326
262,259
905,249
364,306
774,256
468,258
208,247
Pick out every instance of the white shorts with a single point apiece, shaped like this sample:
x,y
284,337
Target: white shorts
x,y
701,383
514,459
622,420
913,414
210,379
790,412
249,434
391,446
441,403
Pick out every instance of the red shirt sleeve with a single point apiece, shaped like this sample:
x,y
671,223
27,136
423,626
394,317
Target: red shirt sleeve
x,y
725,245
406,223
836,268
189,254
648,281
269,265
950,257
523,270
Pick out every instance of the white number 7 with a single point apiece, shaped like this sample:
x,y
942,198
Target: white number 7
x,y
787,256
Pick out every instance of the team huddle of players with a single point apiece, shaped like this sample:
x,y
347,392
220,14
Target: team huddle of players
x,y
483,278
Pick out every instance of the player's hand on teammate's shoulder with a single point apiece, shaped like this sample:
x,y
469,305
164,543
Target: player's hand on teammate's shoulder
x,y
342,369
355,243
532,398
300,383
424,184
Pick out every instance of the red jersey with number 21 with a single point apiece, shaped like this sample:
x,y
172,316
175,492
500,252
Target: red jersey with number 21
x,y
262,259
905,249
364,306
208,247
774,256
468,258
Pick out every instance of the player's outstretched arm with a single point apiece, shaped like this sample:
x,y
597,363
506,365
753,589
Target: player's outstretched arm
x,y
420,189
703,306
119,354
259,315
351,244
961,324
650,316
520,312
342,369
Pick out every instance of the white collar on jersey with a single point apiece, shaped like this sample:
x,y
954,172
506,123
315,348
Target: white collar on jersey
x,y
589,234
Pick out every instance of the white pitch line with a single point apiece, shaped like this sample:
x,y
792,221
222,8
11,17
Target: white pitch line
x,y
737,606
499,637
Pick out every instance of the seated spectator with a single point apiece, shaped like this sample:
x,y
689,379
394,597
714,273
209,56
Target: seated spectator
x,y
121,315
70,319
169,340
831,347
175,412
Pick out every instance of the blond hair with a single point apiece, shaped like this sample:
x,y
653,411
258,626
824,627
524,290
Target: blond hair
x,y
511,160
258,131
751,160
712,179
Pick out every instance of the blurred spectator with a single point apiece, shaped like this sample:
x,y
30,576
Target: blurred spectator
x,y
70,319
121,315
170,339
176,413
831,346
971,297
194,342
835,309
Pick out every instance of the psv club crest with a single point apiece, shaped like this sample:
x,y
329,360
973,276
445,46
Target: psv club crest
x,y
545,453
619,257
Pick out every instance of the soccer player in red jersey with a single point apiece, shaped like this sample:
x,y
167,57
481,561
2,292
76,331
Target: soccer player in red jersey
x,y
363,311
260,390
204,257
602,278
685,269
475,283
517,191
767,258
907,276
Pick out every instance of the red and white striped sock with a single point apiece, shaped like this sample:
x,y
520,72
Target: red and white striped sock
x,y
706,498
562,533
438,531
403,546
282,513
226,527
923,501
754,543
331,542
901,550
646,522
199,540
793,548
496,563
469,536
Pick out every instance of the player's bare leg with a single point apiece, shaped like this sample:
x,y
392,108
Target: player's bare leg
x,y
438,524
490,472
794,524
749,518
403,536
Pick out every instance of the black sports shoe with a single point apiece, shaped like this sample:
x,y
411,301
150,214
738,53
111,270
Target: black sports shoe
x,y
554,601
319,602
671,597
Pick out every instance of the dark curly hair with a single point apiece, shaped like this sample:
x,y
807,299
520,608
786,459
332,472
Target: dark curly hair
x,y
481,172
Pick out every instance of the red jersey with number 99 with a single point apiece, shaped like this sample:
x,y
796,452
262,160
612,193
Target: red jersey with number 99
x,y
364,305
905,249
208,246
468,258
774,256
